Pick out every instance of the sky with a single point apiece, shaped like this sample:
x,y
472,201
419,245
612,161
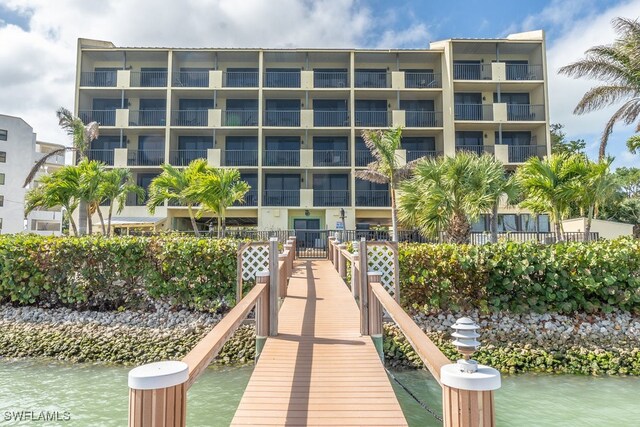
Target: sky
x,y
38,40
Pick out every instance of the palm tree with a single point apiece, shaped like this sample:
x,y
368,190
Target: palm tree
x,y
82,134
447,194
386,167
177,186
61,188
115,186
218,190
618,66
91,176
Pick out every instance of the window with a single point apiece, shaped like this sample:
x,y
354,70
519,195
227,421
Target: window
x,y
1,201
3,157
3,134
1,179
469,138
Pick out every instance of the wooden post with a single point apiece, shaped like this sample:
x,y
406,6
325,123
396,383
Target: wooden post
x,y
273,286
241,249
355,276
364,307
262,313
336,256
282,284
375,313
288,248
342,261
294,242
330,248
158,395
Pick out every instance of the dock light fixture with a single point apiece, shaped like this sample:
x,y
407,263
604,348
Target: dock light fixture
x,y
465,334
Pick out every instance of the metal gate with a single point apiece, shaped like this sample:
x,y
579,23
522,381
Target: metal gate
x,y
312,243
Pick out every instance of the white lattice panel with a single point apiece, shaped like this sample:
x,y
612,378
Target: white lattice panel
x,y
254,260
380,258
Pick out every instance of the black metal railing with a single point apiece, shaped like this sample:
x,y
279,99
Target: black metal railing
x,y
240,118
331,198
478,149
148,79
282,79
282,118
333,79
375,198
145,157
105,156
364,157
147,117
330,157
281,158
330,118
191,79
423,119
184,157
422,80
373,118
472,72
281,198
418,154
241,157
523,72
98,78
190,118
240,79
525,112
520,153
473,112
372,79
103,117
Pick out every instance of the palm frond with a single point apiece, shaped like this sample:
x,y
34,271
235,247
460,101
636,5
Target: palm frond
x,y
372,175
627,114
601,96
36,167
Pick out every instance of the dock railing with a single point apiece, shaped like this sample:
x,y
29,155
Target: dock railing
x,y
158,391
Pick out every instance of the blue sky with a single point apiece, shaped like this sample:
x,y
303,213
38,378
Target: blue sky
x,y
38,39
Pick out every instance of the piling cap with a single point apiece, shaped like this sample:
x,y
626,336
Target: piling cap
x,y
158,375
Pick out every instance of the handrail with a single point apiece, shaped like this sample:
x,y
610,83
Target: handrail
x,y
203,353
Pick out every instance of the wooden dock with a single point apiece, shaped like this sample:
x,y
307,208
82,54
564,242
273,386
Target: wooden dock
x,y
319,370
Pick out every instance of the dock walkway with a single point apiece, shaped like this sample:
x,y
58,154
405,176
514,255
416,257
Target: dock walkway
x,y
319,370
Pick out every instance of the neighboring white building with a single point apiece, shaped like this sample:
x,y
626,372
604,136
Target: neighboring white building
x,y
19,150
605,229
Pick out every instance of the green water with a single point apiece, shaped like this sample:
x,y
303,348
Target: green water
x,y
96,395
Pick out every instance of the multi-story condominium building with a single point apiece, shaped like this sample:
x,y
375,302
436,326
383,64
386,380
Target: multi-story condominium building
x,y
19,151
291,119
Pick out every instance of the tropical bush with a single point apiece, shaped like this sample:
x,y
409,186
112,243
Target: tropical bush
x,y
94,272
522,277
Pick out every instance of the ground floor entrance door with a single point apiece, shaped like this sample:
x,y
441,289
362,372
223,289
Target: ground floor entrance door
x,y
311,242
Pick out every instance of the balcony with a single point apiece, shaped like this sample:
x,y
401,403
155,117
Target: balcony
x,y
523,72
282,79
331,198
422,80
240,118
105,156
373,198
330,118
476,112
98,78
472,72
289,118
148,79
240,79
103,117
326,79
145,157
241,157
364,157
373,118
281,158
478,149
184,157
418,154
372,79
135,200
330,158
281,198
190,118
191,79
525,112
147,117
520,153
250,199
423,119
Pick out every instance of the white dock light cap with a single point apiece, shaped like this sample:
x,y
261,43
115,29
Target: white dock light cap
x,y
158,375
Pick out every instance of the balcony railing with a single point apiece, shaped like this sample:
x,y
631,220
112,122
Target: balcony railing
x,y
324,79
523,72
471,72
478,149
145,157
330,118
240,118
364,157
240,79
474,112
184,157
422,80
373,118
241,157
418,154
98,78
331,198
373,198
191,79
281,198
147,117
372,79
282,79
520,153
423,119
101,155
148,78
525,112
282,118
330,158
190,117
281,158
103,117
250,199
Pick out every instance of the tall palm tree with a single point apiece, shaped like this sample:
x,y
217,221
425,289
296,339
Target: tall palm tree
x,y
617,65
447,194
218,190
82,134
61,188
115,186
386,167
177,186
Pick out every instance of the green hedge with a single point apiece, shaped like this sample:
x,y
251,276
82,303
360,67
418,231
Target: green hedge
x,y
119,272
521,277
